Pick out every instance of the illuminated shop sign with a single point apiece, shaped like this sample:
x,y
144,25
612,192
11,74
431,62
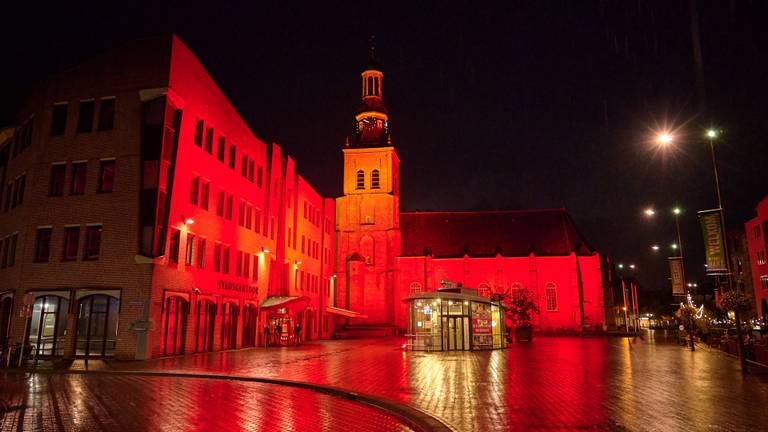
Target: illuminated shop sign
x,y
234,286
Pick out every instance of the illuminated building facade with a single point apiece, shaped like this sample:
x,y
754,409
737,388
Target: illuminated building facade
x,y
756,231
140,217
385,256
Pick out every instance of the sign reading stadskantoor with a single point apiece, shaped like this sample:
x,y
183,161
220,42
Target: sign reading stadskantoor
x,y
714,244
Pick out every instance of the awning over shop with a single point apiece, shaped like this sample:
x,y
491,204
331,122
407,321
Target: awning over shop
x,y
345,312
292,304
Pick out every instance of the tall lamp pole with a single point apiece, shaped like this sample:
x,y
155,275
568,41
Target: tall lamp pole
x,y
712,134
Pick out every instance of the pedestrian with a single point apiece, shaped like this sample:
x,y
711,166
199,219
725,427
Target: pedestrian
x,y
266,335
297,333
277,333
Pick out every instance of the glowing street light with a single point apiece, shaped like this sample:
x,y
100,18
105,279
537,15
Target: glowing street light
x,y
712,133
676,210
655,248
621,266
649,212
664,138
632,266
673,246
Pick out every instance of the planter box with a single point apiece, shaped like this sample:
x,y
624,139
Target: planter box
x,y
523,334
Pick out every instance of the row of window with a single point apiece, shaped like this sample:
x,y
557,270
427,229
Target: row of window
x,y
307,281
22,137
360,180
247,217
14,192
8,250
484,290
56,184
203,138
764,281
85,118
71,249
194,256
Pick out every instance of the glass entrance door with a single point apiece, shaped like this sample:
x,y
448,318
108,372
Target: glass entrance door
x,y
97,326
455,333
175,325
48,325
205,322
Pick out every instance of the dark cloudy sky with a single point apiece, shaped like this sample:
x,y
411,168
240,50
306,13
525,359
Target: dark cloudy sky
x,y
516,105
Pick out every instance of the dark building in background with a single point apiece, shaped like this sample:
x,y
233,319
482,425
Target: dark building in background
x,y
756,232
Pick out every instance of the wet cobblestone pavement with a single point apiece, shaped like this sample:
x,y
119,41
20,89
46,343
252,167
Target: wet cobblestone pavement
x,y
49,402
552,384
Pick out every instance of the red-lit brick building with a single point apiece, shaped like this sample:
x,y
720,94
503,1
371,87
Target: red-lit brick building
x,y
140,217
756,231
384,255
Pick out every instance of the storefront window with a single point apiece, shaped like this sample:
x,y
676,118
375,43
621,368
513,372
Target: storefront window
x,y
482,326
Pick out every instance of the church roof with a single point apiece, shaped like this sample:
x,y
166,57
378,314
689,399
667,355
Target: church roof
x,y
486,233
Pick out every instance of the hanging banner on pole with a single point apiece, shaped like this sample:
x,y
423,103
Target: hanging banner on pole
x,y
676,271
714,243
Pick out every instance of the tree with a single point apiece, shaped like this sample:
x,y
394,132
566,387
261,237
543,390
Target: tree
x,y
521,306
688,313
739,303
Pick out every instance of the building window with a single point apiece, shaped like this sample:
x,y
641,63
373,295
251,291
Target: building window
x,y
255,275
550,295
18,190
244,166
221,149
199,129
257,223
225,259
79,171
761,257
415,288
8,195
12,249
205,189
360,180
248,216
173,246
85,119
484,290
189,256
106,114
251,166
232,155
217,257
59,122
93,242
246,264
209,140
241,214
228,210
200,253
375,179
220,203
239,263
259,175
71,243
764,281
56,186
107,176
194,190
43,245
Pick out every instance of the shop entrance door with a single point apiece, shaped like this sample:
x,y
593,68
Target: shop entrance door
x,y
455,333
175,325
206,320
97,326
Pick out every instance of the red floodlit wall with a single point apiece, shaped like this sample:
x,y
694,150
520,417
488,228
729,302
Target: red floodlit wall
x,y
500,274
757,245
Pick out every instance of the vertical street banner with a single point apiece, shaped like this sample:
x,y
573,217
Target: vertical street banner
x,y
676,271
714,243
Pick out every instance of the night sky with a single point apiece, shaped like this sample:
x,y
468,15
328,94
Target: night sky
x,y
519,105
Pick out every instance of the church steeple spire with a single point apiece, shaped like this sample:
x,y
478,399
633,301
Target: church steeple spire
x,y
372,121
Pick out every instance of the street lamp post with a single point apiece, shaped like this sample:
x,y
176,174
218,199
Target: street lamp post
x,y
677,212
712,134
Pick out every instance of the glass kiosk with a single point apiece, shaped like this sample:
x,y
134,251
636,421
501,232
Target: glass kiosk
x,y
454,319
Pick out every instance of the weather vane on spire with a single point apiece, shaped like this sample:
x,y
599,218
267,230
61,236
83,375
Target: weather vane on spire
x,y
372,46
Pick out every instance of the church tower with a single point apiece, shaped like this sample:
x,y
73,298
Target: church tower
x,y
367,215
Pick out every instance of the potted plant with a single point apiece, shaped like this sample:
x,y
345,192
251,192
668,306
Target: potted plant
x,y
521,305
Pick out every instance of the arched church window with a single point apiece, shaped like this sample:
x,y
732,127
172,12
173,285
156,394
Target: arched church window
x,y
375,179
484,290
360,180
550,295
415,288
515,290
